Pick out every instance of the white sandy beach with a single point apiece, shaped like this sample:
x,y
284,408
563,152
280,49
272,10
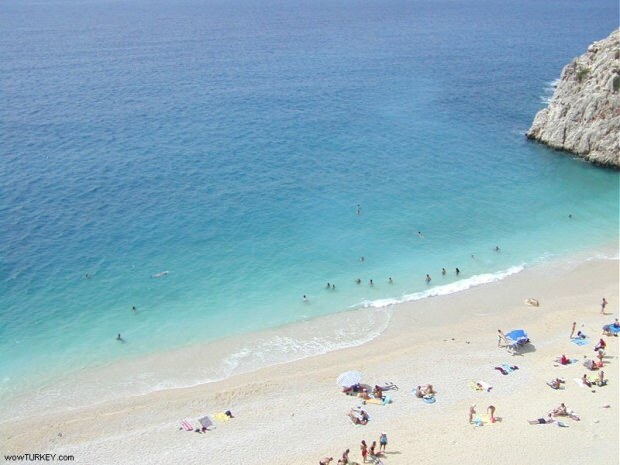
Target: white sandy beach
x,y
295,414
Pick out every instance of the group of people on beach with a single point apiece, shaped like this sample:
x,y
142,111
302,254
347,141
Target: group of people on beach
x,y
367,452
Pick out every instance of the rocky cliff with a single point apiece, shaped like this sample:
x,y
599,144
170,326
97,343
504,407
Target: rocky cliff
x,y
584,114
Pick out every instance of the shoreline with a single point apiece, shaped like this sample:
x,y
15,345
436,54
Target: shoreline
x,y
184,367
412,349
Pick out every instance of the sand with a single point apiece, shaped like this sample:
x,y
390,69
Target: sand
x,y
295,414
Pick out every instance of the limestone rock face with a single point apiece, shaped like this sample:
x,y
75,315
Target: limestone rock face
x,y
583,116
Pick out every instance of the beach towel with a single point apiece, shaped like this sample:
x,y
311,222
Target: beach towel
x,y
579,382
480,386
221,417
482,420
506,369
614,329
579,341
186,425
429,399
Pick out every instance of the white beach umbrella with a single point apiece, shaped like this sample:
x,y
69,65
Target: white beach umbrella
x,y
349,378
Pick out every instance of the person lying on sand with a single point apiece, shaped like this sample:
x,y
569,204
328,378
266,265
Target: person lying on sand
x,y
358,417
326,460
542,421
555,383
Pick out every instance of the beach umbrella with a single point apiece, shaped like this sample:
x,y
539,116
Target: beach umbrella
x,y
516,335
349,378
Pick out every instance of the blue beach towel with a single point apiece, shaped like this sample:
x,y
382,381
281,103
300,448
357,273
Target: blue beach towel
x,y
580,342
429,400
613,329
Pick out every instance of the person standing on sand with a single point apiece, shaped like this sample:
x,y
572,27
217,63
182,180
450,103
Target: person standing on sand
x,y
383,440
572,331
372,449
472,412
501,338
603,305
364,449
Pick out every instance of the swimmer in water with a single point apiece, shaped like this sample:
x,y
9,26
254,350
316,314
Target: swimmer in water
x,y
362,258
161,275
359,209
358,281
333,287
134,309
86,276
371,283
428,278
420,235
390,280
329,286
305,298
497,248
443,271
458,271
119,338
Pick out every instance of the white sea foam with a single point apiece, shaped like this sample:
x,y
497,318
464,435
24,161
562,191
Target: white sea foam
x,y
549,90
457,286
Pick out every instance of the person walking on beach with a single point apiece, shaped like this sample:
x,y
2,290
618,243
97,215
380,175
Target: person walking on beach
x,y
501,338
383,440
364,449
603,305
572,331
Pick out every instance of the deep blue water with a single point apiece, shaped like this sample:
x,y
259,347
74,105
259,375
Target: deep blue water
x,y
229,143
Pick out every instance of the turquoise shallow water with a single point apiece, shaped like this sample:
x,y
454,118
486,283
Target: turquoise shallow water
x,y
229,143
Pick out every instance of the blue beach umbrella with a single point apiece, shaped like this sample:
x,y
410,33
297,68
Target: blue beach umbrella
x,y
517,335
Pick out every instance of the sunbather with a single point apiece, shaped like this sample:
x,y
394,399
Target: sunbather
x,y
418,392
326,460
358,418
590,364
555,383
491,412
352,389
542,421
585,381
377,392
428,390
581,335
563,411
563,360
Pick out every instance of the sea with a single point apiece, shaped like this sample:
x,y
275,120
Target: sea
x,y
188,173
